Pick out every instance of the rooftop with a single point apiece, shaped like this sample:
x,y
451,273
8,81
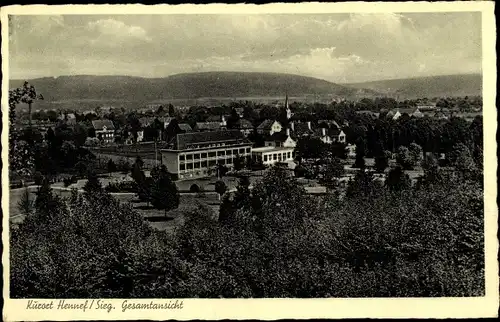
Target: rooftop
x,y
271,149
185,141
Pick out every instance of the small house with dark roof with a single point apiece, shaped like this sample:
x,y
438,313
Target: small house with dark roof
x,y
104,130
245,126
196,154
268,127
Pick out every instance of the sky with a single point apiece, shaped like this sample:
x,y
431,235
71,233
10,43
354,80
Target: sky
x,y
341,48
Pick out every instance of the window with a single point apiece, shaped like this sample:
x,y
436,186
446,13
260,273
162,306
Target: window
x,y
204,164
248,150
219,153
289,155
189,157
265,157
235,151
229,152
279,156
211,163
196,156
203,155
274,156
211,154
182,167
196,165
189,166
242,150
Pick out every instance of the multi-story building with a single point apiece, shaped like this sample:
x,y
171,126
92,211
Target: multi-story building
x,y
104,130
196,154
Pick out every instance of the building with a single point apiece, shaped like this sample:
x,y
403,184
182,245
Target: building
x,y
280,139
330,135
268,127
373,115
104,130
300,129
397,113
196,154
245,126
270,155
207,126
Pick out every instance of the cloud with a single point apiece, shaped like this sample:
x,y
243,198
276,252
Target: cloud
x,y
110,32
336,47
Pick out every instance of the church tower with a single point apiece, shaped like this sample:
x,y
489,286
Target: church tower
x,y
287,108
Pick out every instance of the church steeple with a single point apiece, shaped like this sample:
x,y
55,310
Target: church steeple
x,y
287,107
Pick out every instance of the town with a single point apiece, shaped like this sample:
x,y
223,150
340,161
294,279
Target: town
x,y
156,157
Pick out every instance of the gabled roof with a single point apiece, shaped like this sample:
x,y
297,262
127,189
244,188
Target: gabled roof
x,y
329,123
214,118
266,124
185,140
277,137
207,125
301,129
185,127
100,124
244,124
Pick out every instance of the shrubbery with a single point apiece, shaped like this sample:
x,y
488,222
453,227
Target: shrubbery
x,y
272,241
123,186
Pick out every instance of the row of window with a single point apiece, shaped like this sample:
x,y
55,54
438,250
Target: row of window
x,y
204,164
204,155
277,156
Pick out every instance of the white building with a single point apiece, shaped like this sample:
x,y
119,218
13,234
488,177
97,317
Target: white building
x,y
270,155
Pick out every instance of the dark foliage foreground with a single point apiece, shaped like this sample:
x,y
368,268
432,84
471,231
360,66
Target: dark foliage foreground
x,y
273,241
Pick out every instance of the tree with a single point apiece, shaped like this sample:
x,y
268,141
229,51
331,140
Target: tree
x,y
404,158
164,194
360,154
93,184
45,201
80,135
26,203
332,171
416,153
111,166
233,119
397,180
382,161
220,188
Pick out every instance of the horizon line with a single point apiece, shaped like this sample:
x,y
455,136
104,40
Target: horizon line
x,y
243,72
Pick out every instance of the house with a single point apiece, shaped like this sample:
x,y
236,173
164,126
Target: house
x,y
245,126
397,113
239,111
268,127
439,115
104,130
300,129
207,126
328,123
280,139
330,134
222,119
196,154
351,151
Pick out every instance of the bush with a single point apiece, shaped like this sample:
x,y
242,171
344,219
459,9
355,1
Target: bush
x,y
124,186
194,188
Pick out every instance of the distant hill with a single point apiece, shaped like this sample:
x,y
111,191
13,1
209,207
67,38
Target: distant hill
x,y
186,86
433,86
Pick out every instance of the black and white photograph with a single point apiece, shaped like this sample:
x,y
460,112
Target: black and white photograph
x,y
163,155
